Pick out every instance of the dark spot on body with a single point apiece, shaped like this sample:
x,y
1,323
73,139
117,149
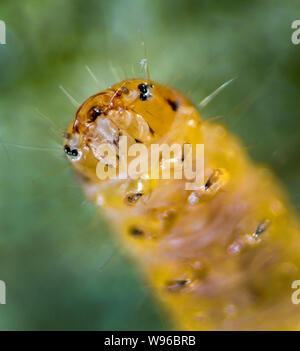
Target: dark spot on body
x,y
208,184
151,130
116,142
94,113
132,199
117,139
137,141
182,155
262,226
136,232
118,92
125,90
213,178
174,104
177,285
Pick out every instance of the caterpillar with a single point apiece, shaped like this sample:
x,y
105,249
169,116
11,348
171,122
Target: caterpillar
x,y
221,257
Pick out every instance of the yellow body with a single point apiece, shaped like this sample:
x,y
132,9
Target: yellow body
x,y
220,258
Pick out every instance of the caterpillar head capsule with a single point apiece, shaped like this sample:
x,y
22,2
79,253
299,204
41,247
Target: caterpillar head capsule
x,y
142,110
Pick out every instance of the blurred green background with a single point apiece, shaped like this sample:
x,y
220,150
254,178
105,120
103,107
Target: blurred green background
x,y
61,264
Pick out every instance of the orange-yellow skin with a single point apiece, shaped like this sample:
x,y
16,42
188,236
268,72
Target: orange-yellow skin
x,y
219,258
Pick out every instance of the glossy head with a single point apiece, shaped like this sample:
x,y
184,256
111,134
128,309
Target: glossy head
x,y
142,110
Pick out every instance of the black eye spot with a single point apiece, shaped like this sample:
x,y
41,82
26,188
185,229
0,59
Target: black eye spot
x,y
94,113
74,152
145,91
67,149
173,104
70,152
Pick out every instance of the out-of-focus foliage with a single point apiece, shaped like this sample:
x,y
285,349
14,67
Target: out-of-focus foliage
x,y
61,264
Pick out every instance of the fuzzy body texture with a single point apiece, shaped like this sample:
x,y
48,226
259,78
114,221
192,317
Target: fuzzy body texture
x,y
219,258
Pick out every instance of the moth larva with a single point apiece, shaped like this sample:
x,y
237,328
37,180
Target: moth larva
x,y
221,257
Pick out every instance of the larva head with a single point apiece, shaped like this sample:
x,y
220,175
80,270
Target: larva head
x,y
142,110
